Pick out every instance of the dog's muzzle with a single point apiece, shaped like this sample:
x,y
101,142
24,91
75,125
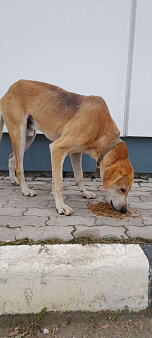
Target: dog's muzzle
x,y
122,209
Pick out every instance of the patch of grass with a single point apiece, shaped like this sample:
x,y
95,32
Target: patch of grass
x,y
41,314
92,321
79,240
34,326
30,326
7,226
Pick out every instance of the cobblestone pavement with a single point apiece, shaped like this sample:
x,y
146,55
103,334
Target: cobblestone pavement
x,y
37,219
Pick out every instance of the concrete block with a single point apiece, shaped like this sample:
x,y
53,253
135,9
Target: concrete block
x,y
142,232
8,235
41,212
142,205
46,233
73,278
72,220
18,222
116,222
97,232
29,202
5,194
10,211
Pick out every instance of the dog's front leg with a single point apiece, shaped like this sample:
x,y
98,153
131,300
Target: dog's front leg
x,y
57,157
78,175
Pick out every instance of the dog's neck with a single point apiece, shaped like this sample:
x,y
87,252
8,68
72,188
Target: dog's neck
x,y
111,145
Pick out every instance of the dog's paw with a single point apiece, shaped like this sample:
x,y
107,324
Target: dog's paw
x,y
65,210
88,194
14,181
29,192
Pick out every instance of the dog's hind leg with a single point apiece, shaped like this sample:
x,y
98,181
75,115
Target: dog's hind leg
x,y
30,136
19,142
1,122
78,175
11,167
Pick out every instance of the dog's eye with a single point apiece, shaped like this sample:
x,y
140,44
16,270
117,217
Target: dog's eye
x,y
123,190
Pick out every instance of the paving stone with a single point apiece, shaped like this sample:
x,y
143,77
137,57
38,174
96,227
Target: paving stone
x,y
98,199
132,199
134,185
46,233
115,222
141,188
145,199
143,232
7,235
29,202
29,178
82,212
70,192
138,193
5,194
6,183
81,203
73,197
18,210
68,182
137,180
10,211
72,220
42,179
93,187
6,178
146,184
90,187
145,213
147,188
43,194
39,183
12,193
2,204
142,205
39,187
41,212
147,220
70,186
15,222
100,232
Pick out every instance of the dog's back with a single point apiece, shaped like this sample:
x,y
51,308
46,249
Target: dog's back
x,y
51,107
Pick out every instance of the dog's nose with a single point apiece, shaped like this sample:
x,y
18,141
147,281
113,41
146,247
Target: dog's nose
x,y
123,209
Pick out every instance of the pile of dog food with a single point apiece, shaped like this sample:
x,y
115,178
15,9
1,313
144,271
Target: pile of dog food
x,y
104,209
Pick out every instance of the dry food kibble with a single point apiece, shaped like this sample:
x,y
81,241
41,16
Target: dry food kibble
x,y
104,209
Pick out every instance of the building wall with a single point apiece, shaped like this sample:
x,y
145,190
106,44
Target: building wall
x,y
90,47
37,157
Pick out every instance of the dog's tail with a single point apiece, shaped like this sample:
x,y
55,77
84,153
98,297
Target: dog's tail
x,y
1,122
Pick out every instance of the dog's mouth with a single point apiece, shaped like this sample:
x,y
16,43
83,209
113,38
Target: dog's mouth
x,y
111,204
123,209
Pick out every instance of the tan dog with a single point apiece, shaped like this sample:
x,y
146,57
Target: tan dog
x,y
77,124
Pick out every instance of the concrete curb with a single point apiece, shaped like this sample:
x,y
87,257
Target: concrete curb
x,y
73,278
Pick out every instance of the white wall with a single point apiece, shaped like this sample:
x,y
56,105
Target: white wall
x,y
140,113
80,45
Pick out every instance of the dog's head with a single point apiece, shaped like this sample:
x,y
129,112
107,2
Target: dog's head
x,y
118,177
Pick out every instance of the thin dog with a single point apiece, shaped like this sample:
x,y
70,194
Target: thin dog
x,y
76,124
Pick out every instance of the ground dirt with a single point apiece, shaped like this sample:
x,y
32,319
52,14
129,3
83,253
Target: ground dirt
x,y
79,325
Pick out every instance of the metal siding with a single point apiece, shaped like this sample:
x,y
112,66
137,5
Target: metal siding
x,y
37,157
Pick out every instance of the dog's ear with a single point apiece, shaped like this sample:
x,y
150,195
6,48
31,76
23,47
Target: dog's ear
x,y
111,175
